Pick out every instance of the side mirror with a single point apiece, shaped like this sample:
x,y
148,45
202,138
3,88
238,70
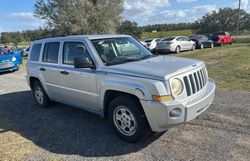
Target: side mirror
x,y
83,63
11,52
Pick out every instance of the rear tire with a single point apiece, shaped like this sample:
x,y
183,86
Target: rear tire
x,y
128,119
40,95
178,50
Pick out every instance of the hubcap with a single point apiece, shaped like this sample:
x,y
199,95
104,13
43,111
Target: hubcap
x,y
124,121
39,95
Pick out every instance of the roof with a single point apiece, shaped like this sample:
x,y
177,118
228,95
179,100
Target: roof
x,y
91,37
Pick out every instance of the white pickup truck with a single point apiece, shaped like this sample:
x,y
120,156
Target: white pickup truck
x,y
118,78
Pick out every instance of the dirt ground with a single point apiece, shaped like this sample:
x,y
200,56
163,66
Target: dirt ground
x,y
66,133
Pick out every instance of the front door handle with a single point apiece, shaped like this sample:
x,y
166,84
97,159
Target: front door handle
x,y
64,72
42,69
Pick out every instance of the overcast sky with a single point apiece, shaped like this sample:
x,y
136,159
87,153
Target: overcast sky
x,y
17,15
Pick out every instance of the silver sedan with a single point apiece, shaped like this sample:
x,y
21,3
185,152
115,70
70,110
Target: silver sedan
x,y
175,44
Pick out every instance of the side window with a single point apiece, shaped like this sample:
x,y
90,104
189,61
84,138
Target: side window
x,y
179,39
185,39
35,52
50,52
73,50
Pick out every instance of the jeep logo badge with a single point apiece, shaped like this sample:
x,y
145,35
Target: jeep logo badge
x,y
194,65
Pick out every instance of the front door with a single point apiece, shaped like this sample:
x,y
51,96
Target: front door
x,y
78,86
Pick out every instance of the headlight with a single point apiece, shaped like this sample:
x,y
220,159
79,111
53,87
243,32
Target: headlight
x,y
13,59
177,86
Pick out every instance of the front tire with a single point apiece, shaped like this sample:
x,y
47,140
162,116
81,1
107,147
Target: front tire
x,y
222,43
128,119
201,46
193,47
40,95
212,45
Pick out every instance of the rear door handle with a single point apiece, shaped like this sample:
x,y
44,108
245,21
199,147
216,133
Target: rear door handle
x,y
64,72
42,69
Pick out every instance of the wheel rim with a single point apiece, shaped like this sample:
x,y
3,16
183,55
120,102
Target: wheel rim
x,y
39,95
124,121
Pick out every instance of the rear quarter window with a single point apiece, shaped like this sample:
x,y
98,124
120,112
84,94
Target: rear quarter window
x,y
35,52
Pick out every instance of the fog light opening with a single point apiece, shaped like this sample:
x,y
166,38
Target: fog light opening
x,y
176,112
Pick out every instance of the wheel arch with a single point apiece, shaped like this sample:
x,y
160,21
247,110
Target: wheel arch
x,y
110,95
112,89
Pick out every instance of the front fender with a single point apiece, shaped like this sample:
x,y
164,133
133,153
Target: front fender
x,y
143,89
132,88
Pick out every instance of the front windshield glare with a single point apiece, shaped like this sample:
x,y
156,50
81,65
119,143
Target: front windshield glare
x,y
120,50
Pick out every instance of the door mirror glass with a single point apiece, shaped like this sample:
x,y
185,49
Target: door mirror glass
x,y
83,63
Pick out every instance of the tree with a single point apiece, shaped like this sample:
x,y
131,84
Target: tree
x,y
129,28
68,17
225,19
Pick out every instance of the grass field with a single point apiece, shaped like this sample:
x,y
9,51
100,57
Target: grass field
x,y
167,33
229,66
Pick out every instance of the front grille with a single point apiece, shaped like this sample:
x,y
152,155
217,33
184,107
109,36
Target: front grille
x,y
196,81
6,65
3,61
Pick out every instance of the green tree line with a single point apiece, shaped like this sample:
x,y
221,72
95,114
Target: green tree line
x,y
71,17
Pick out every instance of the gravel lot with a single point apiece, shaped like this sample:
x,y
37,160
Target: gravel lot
x,y
65,133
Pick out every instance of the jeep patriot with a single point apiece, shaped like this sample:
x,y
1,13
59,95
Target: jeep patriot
x,y
117,78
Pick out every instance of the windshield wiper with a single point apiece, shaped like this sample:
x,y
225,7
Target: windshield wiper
x,y
120,60
147,56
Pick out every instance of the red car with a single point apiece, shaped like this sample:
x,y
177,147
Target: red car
x,y
222,37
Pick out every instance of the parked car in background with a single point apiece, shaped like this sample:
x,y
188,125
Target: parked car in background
x,y
144,44
221,38
9,60
151,43
175,44
116,77
202,41
25,51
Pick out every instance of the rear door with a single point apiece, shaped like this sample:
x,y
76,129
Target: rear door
x,y
183,43
50,68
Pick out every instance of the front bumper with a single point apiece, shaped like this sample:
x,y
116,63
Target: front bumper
x,y
8,66
158,113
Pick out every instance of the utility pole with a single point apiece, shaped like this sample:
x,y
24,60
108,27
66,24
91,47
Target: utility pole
x,y
238,22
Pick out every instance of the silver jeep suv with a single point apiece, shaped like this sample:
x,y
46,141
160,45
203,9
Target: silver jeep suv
x,y
118,78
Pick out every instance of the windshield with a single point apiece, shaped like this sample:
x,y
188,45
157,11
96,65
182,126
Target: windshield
x,y
196,37
148,40
168,39
4,52
218,33
120,50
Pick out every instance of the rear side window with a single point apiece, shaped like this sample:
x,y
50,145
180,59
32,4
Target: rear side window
x,y
50,52
35,52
